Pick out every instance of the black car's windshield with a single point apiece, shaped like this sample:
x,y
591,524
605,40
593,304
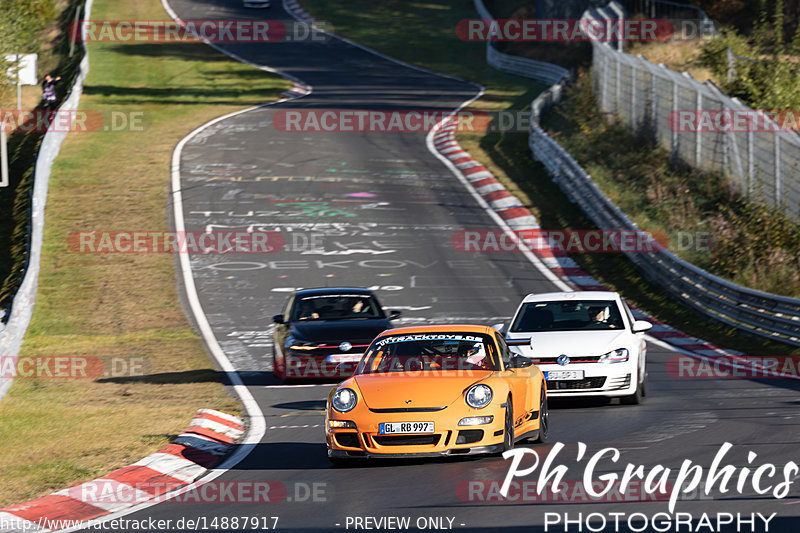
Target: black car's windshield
x,y
568,315
336,307
429,351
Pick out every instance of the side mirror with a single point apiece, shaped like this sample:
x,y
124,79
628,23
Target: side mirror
x,y
519,361
499,327
641,325
278,319
394,313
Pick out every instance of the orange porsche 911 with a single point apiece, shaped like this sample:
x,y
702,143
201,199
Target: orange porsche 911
x,y
436,390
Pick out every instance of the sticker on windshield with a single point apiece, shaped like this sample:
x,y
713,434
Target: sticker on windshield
x,y
429,337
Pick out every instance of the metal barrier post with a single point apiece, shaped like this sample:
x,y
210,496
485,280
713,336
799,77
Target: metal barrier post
x,y
3,155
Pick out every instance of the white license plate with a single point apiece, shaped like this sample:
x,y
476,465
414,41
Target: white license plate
x,y
344,358
563,374
393,428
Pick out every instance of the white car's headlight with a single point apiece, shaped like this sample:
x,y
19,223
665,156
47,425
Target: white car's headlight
x,y
344,400
479,396
617,356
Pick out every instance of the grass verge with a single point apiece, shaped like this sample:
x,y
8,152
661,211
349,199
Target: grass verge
x,y
55,432
424,34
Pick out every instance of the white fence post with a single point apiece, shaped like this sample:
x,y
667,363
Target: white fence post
x,y
750,162
778,188
698,147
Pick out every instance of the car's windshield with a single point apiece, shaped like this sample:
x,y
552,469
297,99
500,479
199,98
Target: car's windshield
x,y
336,307
568,315
429,351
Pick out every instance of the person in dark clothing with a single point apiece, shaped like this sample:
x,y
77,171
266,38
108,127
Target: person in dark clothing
x,y
49,91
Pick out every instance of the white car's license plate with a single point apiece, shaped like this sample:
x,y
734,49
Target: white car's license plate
x,y
393,428
563,374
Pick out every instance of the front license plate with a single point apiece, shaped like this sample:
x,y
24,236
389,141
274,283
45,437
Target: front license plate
x,y
394,428
563,374
344,358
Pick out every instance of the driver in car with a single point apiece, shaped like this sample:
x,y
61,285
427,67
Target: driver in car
x,y
475,355
598,315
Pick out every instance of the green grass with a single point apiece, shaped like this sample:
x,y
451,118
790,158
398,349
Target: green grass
x,y
423,34
55,432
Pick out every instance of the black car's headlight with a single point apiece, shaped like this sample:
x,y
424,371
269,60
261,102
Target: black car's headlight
x,y
295,344
479,396
616,356
344,399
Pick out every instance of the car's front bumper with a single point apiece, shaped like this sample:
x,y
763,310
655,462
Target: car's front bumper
x,y
475,450
448,438
600,379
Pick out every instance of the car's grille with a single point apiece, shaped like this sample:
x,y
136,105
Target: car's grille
x,y
567,384
407,440
348,440
468,436
408,409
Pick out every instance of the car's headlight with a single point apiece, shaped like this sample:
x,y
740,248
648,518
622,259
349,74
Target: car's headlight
x,y
617,356
479,396
296,344
344,400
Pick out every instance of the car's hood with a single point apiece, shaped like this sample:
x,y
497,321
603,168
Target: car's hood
x,y
356,331
424,389
572,343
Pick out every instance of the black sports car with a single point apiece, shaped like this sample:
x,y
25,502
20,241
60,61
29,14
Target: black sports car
x,y
322,333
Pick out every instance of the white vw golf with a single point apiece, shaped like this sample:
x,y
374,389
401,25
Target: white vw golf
x,y
586,343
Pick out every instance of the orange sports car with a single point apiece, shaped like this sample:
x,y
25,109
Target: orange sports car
x,y
436,390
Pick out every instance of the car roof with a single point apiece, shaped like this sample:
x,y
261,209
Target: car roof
x,y
321,291
578,295
444,328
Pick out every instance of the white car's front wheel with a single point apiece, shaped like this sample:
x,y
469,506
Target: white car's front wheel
x,y
638,395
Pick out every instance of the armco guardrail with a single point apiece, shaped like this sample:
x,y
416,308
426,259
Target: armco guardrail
x,y
768,315
520,66
22,307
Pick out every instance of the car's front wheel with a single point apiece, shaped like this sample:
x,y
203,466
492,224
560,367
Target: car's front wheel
x,y
508,431
638,395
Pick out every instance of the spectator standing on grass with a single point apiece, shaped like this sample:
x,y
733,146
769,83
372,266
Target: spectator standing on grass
x,y
49,91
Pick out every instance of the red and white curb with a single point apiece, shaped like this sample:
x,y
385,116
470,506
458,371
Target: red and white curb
x,y
210,436
518,218
294,8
